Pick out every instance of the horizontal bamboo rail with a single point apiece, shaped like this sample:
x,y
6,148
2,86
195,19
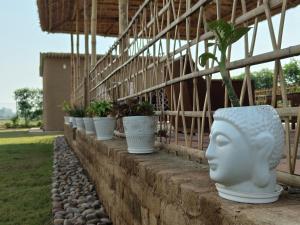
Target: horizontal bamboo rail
x,y
279,54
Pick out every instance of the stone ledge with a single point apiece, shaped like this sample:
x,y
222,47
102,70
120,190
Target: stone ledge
x,y
162,189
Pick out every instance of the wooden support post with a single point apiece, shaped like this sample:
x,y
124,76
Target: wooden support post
x,y
77,57
86,58
72,70
93,32
123,22
50,14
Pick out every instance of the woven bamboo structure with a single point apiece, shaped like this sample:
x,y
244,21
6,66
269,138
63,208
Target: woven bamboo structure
x,y
59,16
141,63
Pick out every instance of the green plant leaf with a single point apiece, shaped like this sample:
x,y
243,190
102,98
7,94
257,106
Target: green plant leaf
x,y
221,27
237,34
225,34
223,31
206,56
100,108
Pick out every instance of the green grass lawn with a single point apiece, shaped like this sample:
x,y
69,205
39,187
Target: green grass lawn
x,y
25,177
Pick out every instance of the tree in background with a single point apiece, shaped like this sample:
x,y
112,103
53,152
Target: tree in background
x,y
292,72
29,103
262,79
23,98
37,104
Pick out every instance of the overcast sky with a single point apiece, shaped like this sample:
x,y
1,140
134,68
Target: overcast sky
x,y
22,40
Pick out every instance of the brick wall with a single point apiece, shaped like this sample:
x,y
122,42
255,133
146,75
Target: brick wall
x,y
160,188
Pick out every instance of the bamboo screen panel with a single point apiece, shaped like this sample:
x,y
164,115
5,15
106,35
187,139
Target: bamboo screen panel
x,y
160,66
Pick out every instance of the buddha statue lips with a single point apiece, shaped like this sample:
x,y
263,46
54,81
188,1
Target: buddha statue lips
x,y
245,147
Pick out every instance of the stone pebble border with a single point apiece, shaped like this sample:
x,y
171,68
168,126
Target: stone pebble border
x,y
74,199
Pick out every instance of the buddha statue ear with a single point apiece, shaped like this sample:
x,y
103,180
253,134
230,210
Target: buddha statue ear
x,y
263,147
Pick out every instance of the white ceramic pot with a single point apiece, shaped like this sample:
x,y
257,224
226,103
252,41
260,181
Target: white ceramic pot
x,y
89,125
67,120
139,131
104,127
246,145
79,123
73,122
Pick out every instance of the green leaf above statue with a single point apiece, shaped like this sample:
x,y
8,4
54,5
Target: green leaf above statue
x,y
226,34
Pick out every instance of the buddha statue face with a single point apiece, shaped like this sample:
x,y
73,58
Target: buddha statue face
x,y
229,154
245,148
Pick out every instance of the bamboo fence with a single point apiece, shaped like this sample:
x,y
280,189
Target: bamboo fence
x,y
141,64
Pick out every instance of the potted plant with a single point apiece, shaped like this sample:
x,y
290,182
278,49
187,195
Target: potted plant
x,y
246,143
103,120
139,126
88,119
79,114
66,107
72,118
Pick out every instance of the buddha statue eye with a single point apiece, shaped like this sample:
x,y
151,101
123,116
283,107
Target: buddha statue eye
x,y
222,140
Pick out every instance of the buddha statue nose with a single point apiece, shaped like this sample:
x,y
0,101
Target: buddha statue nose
x,y
210,152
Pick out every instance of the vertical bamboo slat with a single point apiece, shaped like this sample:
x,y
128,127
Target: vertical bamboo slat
x,y
93,32
123,22
72,70
86,58
77,83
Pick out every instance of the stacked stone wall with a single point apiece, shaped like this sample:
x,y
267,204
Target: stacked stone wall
x,y
157,189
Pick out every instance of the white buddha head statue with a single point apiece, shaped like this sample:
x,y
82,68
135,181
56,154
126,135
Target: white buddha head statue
x,y
245,147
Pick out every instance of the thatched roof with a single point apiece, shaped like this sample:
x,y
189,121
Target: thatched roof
x,y
59,16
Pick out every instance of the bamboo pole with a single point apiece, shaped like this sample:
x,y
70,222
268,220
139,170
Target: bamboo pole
x,y
282,112
50,14
196,105
247,68
77,57
86,58
72,70
207,88
93,32
278,70
123,23
247,81
293,155
288,179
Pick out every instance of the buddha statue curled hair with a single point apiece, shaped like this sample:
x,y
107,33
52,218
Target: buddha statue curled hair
x,y
266,120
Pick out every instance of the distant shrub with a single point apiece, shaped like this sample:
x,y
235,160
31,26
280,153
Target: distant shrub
x,y
15,121
39,124
8,125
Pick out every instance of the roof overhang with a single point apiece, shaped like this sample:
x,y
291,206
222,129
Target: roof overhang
x,y
59,16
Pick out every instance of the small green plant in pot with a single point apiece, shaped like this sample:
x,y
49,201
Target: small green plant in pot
x,y
139,126
79,113
66,108
104,121
72,114
88,119
246,143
